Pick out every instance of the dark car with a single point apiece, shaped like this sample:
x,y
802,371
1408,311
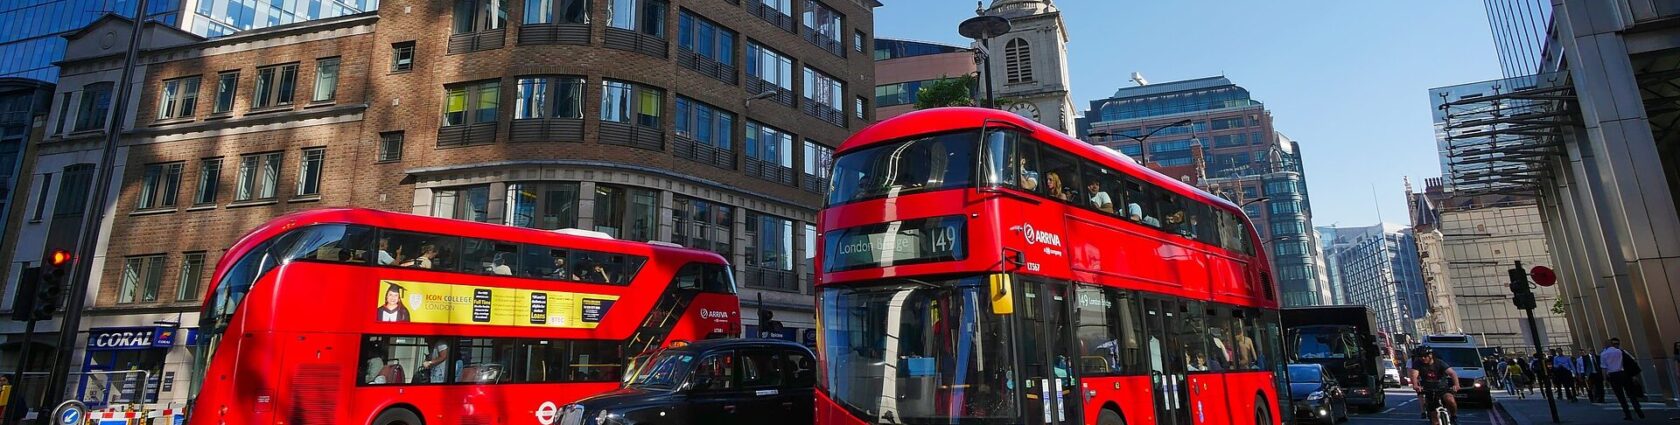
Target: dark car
x,y
1316,395
720,381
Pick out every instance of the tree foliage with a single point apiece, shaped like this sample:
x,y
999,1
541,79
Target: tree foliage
x,y
946,91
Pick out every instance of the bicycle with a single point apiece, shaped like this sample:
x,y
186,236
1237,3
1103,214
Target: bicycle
x,y
1442,415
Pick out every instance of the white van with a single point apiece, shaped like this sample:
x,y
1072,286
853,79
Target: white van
x,y
1463,354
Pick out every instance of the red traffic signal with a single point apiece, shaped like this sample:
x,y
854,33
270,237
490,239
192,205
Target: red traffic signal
x,y
1543,276
58,258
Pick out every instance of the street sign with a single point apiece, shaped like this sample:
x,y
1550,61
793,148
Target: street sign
x,y
70,412
1543,276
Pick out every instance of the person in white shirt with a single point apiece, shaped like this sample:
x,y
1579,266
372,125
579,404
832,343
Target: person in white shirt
x,y
385,252
1614,362
1099,198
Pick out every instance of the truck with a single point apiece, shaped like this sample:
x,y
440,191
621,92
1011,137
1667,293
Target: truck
x,y
1342,338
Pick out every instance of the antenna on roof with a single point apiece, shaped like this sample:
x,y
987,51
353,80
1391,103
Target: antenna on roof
x,y
1137,77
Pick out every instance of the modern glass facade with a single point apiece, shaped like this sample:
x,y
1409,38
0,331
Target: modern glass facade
x,y
33,38
1379,268
32,42
1519,33
886,48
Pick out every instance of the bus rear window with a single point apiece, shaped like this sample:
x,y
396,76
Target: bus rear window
x,y
938,162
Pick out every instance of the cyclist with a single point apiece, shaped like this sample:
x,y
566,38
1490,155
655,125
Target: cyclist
x,y
1435,381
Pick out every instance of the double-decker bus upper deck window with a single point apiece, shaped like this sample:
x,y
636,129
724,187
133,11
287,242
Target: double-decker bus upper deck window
x,y
418,250
714,278
936,162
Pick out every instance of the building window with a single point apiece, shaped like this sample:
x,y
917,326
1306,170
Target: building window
x,y
705,38
259,176
470,203
859,107
159,185
824,26
858,41
480,15
770,66
209,181
326,80
227,85
1017,61
402,56
141,278
309,172
73,190
623,102
819,162
41,197
702,224
548,97
769,248
390,146
645,16
192,274
824,90
705,124
275,86
769,144
783,6
482,96
95,108
545,206
63,114
179,98
544,11
626,213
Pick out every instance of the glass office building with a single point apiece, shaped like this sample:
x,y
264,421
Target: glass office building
x,y
33,38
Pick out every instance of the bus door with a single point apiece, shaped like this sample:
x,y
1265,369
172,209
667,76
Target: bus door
x,y
1049,380
1162,319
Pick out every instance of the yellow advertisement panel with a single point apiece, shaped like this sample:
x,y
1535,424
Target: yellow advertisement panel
x,y
421,302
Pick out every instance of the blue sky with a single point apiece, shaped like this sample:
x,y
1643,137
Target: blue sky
x,y
1349,80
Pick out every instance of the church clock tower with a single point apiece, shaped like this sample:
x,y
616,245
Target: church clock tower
x,y
1029,64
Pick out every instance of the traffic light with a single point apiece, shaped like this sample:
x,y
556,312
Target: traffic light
x,y
49,293
1521,295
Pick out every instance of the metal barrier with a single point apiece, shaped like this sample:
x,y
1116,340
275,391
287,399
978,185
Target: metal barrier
x,y
127,397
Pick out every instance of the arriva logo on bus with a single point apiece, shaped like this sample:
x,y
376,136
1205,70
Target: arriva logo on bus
x,y
713,314
1035,236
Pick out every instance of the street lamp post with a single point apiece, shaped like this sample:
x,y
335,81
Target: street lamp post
x,y
1143,145
982,29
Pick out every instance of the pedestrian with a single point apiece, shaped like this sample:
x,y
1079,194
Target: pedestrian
x,y
1563,377
1515,378
1595,378
1620,368
5,394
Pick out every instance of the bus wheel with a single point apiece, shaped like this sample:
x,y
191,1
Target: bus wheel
x,y
1109,417
1262,414
398,416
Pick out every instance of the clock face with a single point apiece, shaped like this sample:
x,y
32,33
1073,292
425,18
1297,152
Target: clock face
x,y
1025,109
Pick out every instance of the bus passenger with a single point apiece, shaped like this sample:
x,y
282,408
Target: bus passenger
x,y
428,252
1053,183
499,265
1029,177
1099,198
385,257
560,269
596,273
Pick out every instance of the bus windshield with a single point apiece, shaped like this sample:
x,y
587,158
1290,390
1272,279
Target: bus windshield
x,y
1323,343
937,162
912,351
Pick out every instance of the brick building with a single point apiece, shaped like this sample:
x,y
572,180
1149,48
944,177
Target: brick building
x,y
700,122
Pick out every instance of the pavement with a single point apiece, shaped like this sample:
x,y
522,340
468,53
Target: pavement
x,y
1533,411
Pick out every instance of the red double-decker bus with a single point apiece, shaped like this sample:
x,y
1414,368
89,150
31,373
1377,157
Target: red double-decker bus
x,y
351,316
977,267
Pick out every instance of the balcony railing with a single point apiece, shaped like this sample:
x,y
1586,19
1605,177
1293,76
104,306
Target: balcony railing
x,y
476,41
706,66
772,279
769,171
554,34
632,41
823,112
771,15
756,86
546,130
831,45
466,134
687,147
813,184
636,136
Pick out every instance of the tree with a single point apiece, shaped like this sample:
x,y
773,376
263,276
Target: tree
x,y
1560,308
946,91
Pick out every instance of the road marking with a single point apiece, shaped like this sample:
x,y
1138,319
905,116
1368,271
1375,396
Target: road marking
x,y
1385,412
